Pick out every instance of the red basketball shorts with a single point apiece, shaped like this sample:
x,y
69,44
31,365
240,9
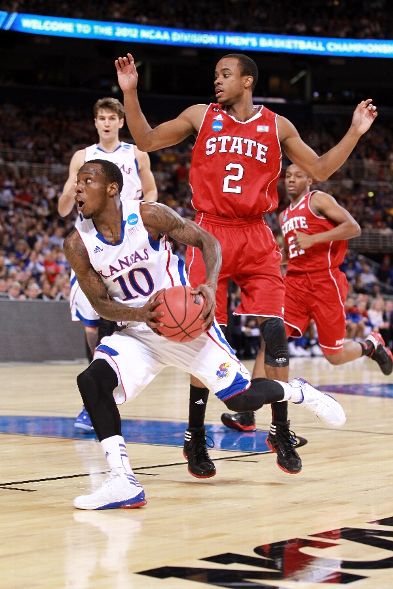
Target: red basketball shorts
x,y
251,258
319,296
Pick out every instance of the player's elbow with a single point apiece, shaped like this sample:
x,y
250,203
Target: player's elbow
x,y
62,212
354,229
142,145
145,143
320,175
64,208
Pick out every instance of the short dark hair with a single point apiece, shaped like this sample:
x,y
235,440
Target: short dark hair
x,y
111,172
109,103
248,67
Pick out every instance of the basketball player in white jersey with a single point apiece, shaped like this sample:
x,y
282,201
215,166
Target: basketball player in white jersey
x,y
122,256
138,183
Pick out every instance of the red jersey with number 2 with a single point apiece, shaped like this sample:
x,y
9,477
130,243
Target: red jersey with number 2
x,y
235,165
319,257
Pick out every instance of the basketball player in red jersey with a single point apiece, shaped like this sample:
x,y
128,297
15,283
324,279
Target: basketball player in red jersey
x,y
316,229
235,167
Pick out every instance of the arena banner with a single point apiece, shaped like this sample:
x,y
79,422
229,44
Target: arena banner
x,y
132,33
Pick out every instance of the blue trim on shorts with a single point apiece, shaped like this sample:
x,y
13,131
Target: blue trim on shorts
x,y
222,339
182,274
73,280
107,350
238,385
87,322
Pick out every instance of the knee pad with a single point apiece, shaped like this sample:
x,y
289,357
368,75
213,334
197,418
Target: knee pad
x,y
273,333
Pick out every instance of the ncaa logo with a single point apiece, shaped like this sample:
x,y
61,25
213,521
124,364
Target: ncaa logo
x,y
132,219
217,125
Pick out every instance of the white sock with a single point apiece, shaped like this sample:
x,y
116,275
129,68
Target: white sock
x,y
292,392
116,454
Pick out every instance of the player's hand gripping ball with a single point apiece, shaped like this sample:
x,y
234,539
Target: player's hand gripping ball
x,y
182,320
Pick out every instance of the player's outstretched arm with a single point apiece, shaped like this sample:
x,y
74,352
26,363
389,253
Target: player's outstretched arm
x,y
95,290
164,135
159,218
322,167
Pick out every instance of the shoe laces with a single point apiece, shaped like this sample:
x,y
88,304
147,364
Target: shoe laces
x,y
286,437
198,445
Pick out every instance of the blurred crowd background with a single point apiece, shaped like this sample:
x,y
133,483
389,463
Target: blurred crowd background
x,y
41,131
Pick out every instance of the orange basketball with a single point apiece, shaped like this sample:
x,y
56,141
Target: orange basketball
x,y
182,319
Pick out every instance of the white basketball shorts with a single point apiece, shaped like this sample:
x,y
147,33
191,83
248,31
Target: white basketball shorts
x,y
137,355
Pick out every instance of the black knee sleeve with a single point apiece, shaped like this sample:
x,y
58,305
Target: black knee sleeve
x,y
261,392
98,375
96,385
276,351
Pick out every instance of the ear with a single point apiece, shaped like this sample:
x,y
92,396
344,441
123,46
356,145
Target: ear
x,y
112,189
121,123
248,82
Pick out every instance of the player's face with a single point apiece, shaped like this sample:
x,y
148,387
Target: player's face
x,y
228,81
297,182
108,124
91,190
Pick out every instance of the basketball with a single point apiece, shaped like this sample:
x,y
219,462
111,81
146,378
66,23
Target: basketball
x,y
182,319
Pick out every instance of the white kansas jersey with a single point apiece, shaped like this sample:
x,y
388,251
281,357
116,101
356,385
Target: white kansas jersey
x,y
125,159
138,265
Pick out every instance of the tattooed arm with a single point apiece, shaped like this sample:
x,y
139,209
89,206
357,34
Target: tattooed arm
x,y
95,290
159,218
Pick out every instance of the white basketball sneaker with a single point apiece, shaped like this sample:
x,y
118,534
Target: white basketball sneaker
x,y
324,406
117,491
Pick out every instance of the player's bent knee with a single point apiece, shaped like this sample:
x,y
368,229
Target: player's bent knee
x,y
334,359
97,376
260,392
276,352
84,379
235,403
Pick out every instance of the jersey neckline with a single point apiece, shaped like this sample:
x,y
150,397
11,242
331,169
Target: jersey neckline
x,y
257,115
113,151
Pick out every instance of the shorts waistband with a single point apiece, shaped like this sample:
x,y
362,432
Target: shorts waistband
x,y
315,273
227,221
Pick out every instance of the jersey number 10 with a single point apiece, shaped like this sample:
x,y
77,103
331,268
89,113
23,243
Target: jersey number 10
x,y
132,288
